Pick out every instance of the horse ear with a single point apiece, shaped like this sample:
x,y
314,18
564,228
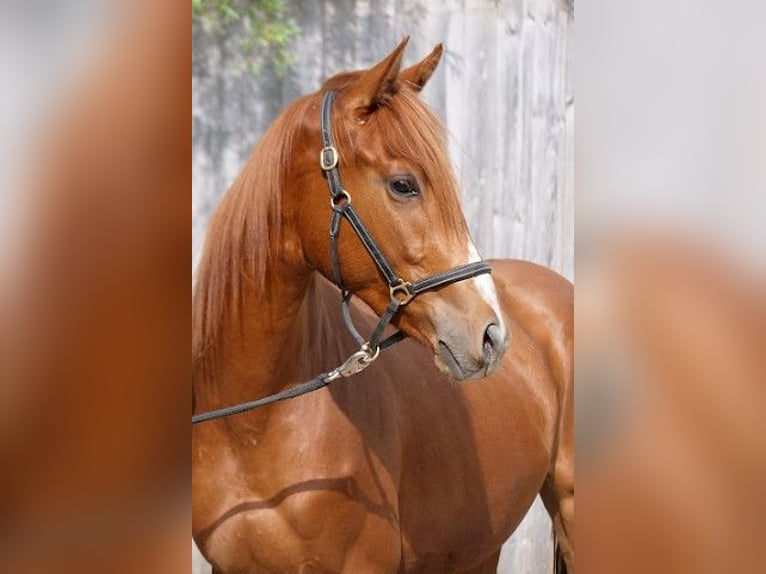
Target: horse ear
x,y
418,75
378,84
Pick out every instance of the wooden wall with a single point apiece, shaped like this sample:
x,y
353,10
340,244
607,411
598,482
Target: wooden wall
x,y
505,90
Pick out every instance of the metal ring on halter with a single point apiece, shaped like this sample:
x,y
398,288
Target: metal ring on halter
x,y
333,159
341,200
403,287
371,356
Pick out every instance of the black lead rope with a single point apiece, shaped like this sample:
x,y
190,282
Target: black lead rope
x,y
355,363
401,291
314,384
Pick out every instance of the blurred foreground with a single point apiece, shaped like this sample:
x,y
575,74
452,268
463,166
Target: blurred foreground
x,y
94,295
671,436
671,288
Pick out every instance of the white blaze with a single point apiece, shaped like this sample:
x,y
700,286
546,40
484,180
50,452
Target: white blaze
x,y
485,284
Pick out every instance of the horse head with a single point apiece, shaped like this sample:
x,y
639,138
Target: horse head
x,y
391,151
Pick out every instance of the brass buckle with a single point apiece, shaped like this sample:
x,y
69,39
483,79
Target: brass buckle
x,y
327,166
402,287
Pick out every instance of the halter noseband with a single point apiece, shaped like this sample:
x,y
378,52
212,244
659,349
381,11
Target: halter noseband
x,y
400,290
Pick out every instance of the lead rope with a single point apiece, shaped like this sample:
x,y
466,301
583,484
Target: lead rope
x,y
358,361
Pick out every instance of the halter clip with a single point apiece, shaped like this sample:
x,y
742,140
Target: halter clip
x,y
356,363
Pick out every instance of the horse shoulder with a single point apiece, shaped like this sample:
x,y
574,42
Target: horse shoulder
x,y
273,499
540,302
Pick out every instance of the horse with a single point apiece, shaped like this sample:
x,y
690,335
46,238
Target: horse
x,y
428,459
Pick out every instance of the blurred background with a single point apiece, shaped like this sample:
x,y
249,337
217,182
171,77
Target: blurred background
x,y
94,293
504,89
671,287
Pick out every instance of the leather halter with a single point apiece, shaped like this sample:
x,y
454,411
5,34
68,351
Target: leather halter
x,y
400,290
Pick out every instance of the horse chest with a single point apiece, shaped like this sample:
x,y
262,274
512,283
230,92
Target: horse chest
x,y
472,471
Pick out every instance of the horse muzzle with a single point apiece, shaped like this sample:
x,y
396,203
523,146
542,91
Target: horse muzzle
x,y
464,354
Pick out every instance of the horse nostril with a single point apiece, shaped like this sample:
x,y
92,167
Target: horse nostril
x,y
493,340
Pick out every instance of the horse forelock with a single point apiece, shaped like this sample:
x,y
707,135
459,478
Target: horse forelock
x,y
404,127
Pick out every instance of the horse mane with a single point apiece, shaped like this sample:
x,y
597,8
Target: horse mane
x,y
243,235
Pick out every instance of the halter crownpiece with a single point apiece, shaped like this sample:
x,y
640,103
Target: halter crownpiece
x,y
400,290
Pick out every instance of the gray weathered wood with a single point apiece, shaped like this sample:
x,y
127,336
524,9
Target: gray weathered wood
x,y
505,90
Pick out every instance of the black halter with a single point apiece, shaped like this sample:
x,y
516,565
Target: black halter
x,y
400,290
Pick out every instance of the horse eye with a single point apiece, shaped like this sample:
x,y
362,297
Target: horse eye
x,y
403,187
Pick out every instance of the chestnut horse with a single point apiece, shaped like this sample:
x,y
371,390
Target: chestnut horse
x,y
402,468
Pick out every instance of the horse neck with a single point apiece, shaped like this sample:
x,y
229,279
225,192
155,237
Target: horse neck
x,y
265,347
